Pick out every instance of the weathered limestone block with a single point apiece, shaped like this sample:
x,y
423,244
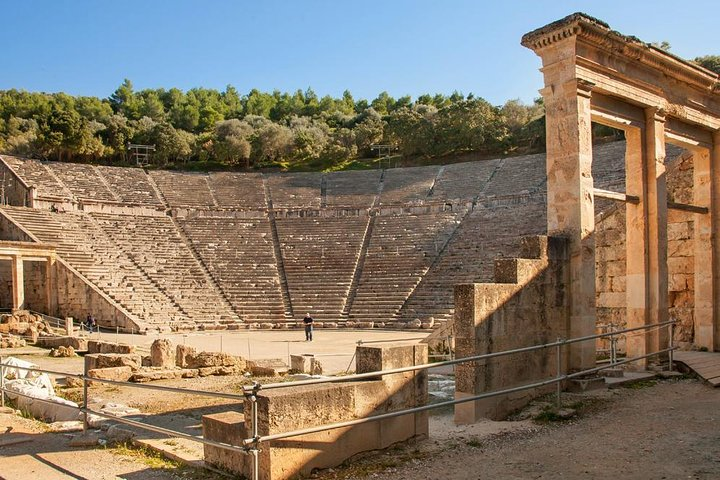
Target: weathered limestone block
x,y
118,374
182,353
63,352
162,353
214,359
78,343
99,346
315,367
300,363
151,375
230,426
293,408
105,360
219,370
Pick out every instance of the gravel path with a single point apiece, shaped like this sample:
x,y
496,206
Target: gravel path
x,y
667,431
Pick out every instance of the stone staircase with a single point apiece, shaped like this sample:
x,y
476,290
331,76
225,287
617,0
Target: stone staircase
x,y
239,255
85,247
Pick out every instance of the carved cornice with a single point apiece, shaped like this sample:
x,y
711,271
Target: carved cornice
x,y
598,34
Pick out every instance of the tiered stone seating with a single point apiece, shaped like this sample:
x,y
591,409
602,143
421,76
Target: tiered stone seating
x,y
404,185
244,190
183,189
319,255
295,189
239,254
401,250
155,246
464,180
82,180
88,249
34,173
518,174
484,235
353,188
130,185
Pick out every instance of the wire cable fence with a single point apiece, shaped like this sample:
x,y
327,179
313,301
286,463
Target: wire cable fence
x,y
251,445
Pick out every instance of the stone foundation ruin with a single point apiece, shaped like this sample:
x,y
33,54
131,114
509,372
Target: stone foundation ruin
x,y
294,408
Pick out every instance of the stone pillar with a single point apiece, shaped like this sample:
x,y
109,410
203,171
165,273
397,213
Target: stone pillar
x,y
705,258
18,283
657,229
570,201
50,285
636,234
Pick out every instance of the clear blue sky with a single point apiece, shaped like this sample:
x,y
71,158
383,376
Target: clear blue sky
x,y
405,47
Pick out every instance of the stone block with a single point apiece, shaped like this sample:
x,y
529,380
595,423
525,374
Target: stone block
x,y
182,353
213,359
78,343
162,353
301,363
105,360
151,375
226,427
99,346
118,374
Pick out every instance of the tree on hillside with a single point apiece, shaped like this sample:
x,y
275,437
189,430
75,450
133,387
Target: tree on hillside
x,y
124,101
232,142
711,62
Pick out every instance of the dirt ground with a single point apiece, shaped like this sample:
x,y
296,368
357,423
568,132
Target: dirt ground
x,y
660,430
665,430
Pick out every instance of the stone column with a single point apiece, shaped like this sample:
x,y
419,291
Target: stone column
x,y
636,234
704,249
18,283
50,285
571,211
657,228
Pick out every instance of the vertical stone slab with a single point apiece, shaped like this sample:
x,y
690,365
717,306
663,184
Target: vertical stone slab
x,y
657,227
704,250
50,284
636,235
571,211
715,215
18,283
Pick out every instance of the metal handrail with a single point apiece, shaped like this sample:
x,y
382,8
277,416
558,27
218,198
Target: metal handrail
x,y
361,376
399,413
250,445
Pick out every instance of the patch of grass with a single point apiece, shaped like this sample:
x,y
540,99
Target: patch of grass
x,y
474,443
155,460
548,416
640,384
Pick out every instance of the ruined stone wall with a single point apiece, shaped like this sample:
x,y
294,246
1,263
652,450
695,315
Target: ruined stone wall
x,y
5,284
300,407
76,298
34,274
13,189
526,306
610,257
681,250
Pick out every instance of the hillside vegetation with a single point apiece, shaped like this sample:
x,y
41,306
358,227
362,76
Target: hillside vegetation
x,y
209,129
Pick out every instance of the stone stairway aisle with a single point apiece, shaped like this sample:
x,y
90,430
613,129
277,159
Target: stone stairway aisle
x,y
362,254
204,268
287,302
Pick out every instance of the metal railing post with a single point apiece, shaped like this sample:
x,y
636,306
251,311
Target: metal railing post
x,y
85,397
671,329
558,352
2,381
254,450
613,346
